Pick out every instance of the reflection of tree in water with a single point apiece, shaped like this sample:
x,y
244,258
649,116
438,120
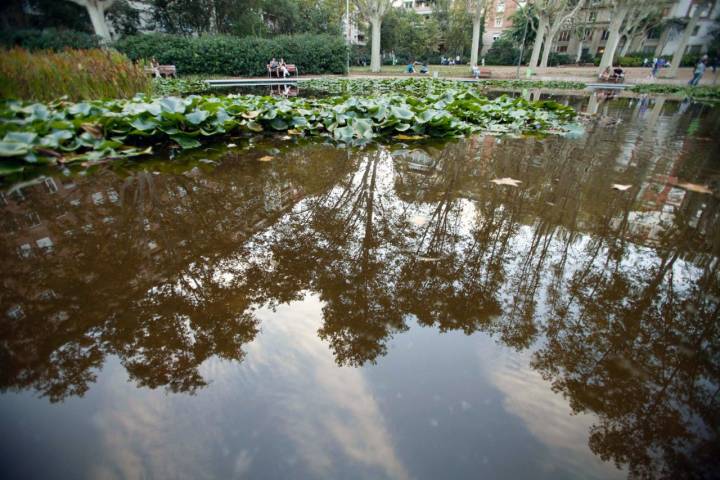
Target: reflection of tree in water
x,y
625,323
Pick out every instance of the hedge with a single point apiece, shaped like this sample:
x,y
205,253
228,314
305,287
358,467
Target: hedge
x,y
48,39
238,56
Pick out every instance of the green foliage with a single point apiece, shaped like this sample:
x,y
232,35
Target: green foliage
x,y
409,35
455,23
522,18
555,59
629,61
49,39
179,86
226,55
502,52
247,17
96,130
421,87
704,92
43,14
75,74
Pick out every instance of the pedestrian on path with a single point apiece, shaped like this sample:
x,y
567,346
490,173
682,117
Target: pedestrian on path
x,y
699,71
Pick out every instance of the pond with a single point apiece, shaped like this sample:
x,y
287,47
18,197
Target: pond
x,y
377,312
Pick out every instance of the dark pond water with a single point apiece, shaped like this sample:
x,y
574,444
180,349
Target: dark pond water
x,y
386,312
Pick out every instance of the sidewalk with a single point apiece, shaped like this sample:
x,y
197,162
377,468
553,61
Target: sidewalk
x,y
633,75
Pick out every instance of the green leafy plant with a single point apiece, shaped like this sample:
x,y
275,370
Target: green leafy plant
x,y
62,132
73,74
48,39
703,92
246,56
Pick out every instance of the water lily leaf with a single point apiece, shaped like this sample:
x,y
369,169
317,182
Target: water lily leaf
x,y
402,113
343,133
401,127
172,105
185,141
82,108
409,137
251,115
279,124
13,149
363,128
20,137
254,126
197,117
144,124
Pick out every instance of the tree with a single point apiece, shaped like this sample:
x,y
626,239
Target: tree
x,y
624,14
458,30
478,17
559,12
96,10
699,8
374,11
524,23
409,36
552,14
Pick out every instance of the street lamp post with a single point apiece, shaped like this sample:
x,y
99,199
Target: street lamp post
x,y
347,36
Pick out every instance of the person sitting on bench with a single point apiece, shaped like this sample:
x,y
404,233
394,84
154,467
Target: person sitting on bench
x,y
274,67
618,74
605,75
283,68
424,69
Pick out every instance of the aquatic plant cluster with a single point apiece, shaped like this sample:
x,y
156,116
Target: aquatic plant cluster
x,y
62,132
700,92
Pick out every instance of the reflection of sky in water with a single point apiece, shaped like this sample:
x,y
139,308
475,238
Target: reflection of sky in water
x,y
290,411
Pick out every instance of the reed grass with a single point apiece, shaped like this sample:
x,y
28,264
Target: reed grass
x,y
75,74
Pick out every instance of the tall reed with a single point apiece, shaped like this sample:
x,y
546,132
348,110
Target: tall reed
x,y
76,74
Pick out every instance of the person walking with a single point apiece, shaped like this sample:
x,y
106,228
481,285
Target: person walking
x,y
699,72
655,67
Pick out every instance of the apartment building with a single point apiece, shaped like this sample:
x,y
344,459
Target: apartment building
x,y
497,19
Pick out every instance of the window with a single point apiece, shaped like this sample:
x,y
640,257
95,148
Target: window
x,y
605,35
500,7
561,48
693,49
593,17
498,21
564,36
696,30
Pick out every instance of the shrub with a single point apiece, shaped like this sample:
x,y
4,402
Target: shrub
x,y
555,59
49,39
630,61
227,55
502,52
77,74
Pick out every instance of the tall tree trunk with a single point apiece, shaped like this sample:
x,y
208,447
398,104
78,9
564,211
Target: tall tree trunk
x,y
618,17
677,56
477,24
548,45
626,46
578,57
96,11
539,36
664,37
375,61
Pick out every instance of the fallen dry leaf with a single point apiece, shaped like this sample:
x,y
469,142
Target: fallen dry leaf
x,y
266,158
694,187
251,115
418,220
408,137
286,137
93,130
510,182
621,187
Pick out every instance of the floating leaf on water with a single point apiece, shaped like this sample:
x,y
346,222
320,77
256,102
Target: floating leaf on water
x,y
510,182
266,158
418,220
251,115
621,187
694,187
409,137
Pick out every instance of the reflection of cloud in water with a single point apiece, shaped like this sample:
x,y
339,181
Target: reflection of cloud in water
x,y
327,413
546,415
327,407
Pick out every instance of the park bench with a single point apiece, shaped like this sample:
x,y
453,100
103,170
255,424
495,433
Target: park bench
x,y
291,68
485,73
165,70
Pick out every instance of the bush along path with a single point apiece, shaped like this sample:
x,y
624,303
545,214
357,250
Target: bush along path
x,y
64,132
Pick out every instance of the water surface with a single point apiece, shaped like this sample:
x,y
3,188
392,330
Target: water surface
x,y
378,312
